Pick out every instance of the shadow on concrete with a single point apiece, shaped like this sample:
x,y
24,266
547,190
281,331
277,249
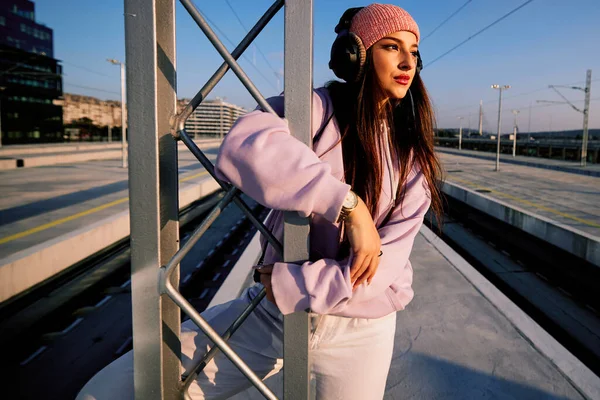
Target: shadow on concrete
x,y
14,214
419,376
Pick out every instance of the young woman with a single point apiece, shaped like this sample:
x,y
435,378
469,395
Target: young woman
x,y
367,183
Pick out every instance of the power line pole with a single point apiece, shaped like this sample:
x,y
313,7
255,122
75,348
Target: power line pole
x,y
460,134
586,114
480,118
529,126
123,119
585,111
500,88
516,112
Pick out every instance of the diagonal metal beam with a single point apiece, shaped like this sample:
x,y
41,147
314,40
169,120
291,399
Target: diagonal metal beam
x,y
228,333
179,123
217,340
197,16
237,200
199,231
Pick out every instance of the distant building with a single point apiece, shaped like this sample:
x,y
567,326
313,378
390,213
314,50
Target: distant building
x,y
31,79
101,112
212,118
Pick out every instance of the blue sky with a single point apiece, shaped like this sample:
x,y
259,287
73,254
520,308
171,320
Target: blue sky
x,y
546,42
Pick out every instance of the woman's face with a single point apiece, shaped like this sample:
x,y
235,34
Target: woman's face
x,y
395,63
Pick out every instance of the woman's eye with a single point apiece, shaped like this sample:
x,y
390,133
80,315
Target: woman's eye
x,y
415,54
390,46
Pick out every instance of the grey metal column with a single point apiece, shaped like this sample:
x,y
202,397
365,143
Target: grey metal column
x,y
515,112
500,88
298,81
586,114
150,52
460,133
123,120
498,138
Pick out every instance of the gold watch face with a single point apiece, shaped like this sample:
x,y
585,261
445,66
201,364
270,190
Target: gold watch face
x,y
350,201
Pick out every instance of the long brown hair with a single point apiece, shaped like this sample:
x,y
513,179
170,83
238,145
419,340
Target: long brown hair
x,y
359,113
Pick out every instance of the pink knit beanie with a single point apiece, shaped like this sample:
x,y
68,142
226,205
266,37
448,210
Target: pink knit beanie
x,y
377,20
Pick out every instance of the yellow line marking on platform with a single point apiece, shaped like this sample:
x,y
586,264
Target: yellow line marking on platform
x,y
78,215
527,202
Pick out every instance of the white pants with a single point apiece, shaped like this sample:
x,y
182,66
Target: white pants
x,y
350,356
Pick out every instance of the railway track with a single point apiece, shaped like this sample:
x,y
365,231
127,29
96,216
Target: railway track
x,y
81,321
555,288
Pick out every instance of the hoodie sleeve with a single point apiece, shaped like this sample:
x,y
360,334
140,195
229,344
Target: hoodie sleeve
x,y
324,286
262,158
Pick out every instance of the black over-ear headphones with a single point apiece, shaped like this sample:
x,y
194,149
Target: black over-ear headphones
x,y
348,54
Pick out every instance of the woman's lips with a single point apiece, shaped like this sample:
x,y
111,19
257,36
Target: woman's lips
x,y
402,80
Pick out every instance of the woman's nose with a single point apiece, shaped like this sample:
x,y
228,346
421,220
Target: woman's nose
x,y
407,62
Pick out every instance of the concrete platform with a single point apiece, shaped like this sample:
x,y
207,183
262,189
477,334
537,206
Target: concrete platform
x,y
558,207
538,162
27,156
28,149
52,217
460,338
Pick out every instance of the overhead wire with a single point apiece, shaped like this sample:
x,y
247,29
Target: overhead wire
x,y
86,69
505,98
446,20
233,44
255,44
89,87
479,32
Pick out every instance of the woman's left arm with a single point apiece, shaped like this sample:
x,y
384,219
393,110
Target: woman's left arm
x,y
324,286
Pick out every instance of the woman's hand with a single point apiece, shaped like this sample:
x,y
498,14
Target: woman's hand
x,y
265,278
365,243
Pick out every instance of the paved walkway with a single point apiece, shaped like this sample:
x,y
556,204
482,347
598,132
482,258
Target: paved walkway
x,y
538,162
567,198
39,204
452,342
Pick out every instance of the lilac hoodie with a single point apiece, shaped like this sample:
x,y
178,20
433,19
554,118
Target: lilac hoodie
x,y
262,158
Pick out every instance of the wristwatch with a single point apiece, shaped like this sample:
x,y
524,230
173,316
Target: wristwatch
x,y
349,204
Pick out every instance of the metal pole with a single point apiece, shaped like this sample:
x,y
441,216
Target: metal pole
x,y
460,134
123,127
529,125
500,88
586,114
153,187
498,141
480,118
109,133
514,153
298,82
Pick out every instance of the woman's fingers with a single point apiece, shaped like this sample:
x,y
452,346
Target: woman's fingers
x,y
368,273
364,275
361,270
357,263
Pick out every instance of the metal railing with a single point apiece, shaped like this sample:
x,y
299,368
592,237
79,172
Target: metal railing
x,y
154,127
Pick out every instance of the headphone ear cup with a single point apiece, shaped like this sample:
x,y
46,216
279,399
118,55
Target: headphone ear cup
x,y
419,62
347,56
361,55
